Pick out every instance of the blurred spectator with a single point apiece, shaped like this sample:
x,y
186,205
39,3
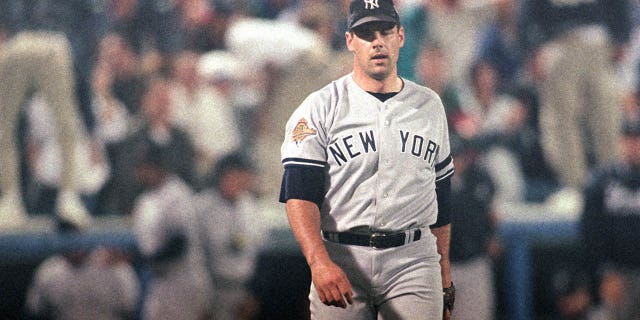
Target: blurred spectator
x,y
338,42
316,15
45,161
456,25
167,233
572,298
311,64
270,9
610,223
281,42
76,20
432,71
628,67
205,24
474,243
156,129
540,179
328,18
416,22
498,44
489,117
38,62
152,29
200,97
563,38
113,119
127,79
235,232
83,283
283,45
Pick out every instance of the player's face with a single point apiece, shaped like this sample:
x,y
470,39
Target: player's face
x,y
235,182
376,46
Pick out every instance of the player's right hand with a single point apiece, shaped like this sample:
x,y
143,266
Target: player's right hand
x,y
331,283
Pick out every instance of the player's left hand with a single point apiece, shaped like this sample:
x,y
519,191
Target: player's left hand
x,y
449,297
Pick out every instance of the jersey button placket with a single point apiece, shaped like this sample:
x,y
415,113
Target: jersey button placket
x,y
386,164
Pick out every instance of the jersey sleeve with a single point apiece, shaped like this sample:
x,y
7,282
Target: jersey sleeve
x,y
305,136
444,170
304,183
444,160
443,193
304,153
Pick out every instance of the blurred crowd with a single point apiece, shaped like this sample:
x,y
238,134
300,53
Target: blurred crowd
x,y
181,107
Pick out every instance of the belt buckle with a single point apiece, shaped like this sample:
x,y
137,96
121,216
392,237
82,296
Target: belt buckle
x,y
372,240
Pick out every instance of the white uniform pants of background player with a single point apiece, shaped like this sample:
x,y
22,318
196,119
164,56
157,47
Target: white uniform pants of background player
x,y
395,283
36,61
581,106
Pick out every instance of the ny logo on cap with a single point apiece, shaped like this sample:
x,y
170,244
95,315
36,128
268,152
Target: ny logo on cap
x,y
371,4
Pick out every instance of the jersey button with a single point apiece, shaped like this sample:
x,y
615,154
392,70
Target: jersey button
x,y
385,195
386,123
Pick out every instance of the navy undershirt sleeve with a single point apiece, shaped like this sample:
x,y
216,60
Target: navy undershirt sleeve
x,y
443,193
304,183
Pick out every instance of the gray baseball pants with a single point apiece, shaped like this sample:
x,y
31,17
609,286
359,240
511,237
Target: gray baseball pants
x,y
390,284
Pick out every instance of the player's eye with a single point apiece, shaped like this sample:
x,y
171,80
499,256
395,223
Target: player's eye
x,y
368,31
365,34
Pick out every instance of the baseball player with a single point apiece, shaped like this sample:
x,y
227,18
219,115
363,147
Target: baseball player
x,y
167,234
38,61
82,283
366,183
609,226
563,37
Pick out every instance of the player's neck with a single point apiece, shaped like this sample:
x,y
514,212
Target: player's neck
x,y
392,83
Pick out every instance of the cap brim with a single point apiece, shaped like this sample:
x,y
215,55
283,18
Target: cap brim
x,y
381,18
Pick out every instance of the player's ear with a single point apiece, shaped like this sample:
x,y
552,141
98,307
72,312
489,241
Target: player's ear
x,y
401,35
349,38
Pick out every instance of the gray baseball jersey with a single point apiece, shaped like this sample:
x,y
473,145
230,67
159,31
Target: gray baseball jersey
x,y
92,290
394,150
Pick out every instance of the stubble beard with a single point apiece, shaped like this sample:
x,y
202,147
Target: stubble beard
x,y
379,72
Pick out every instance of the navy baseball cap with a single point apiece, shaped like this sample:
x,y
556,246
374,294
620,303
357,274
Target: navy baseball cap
x,y
363,11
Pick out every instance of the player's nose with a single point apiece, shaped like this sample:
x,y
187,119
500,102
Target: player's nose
x,y
377,37
378,40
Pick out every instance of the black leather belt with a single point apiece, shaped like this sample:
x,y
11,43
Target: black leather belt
x,y
379,240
